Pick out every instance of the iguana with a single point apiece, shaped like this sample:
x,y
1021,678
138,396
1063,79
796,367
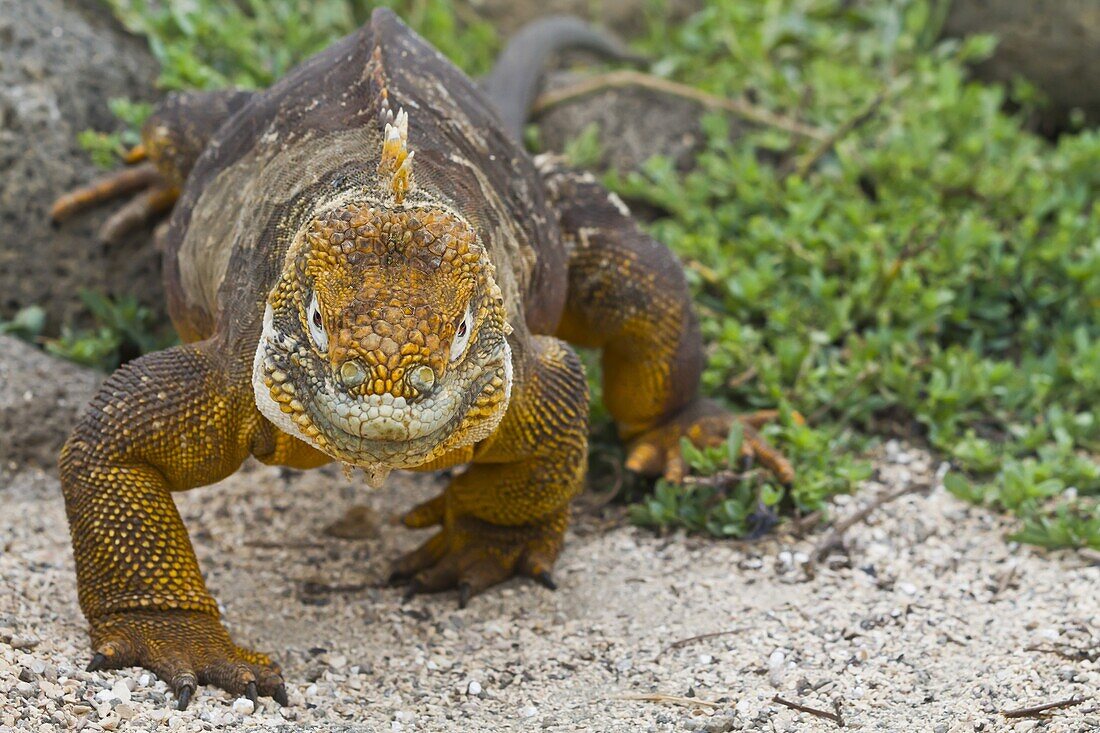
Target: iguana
x,y
365,266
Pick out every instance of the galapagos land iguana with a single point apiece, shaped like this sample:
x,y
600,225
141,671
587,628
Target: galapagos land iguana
x,y
365,266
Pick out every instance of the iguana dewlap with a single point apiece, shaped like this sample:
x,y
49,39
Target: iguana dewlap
x,y
365,266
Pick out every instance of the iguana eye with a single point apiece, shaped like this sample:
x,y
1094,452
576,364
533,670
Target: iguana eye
x,y
317,325
462,335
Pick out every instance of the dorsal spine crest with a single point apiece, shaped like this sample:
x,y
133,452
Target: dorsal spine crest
x,y
395,165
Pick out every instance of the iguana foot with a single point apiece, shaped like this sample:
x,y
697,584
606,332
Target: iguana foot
x,y
470,555
152,196
706,423
185,649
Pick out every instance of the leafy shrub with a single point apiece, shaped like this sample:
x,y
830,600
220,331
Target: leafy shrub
x,y
939,268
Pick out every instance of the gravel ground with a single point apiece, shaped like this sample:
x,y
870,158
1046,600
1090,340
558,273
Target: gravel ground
x,y
930,622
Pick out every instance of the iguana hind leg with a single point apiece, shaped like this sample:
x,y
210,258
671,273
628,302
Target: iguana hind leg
x,y
628,297
507,514
166,422
172,139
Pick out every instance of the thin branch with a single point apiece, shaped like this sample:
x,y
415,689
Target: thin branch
x,y
835,538
630,78
743,378
698,637
850,125
823,409
835,717
1035,710
1068,651
663,699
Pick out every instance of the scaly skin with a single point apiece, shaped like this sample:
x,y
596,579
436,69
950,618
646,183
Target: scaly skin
x,y
340,302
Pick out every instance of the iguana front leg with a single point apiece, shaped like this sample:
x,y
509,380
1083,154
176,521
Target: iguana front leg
x,y
169,421
628,297
507,514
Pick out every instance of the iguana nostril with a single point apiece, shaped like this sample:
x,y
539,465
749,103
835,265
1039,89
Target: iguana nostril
x,y
421,378
352,373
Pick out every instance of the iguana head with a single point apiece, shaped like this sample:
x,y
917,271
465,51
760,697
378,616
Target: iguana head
x,y
384,341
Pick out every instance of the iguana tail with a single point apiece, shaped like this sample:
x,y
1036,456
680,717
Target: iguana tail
x,y
514,81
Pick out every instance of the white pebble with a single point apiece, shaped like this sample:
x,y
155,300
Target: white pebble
x,y
528,711
705,659
120,691
474,688
775,668
23,642
243,706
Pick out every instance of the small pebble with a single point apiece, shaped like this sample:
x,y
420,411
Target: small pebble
x,y
23,642
243,706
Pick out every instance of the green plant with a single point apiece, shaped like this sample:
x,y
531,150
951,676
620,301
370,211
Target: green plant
x,y
938,269
124,329
205,44
27,323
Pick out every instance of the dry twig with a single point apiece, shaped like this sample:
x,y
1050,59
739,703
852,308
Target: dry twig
x,y
663,699
1036,710
698,637
1068,651
849,125
835,717
835,538
630,78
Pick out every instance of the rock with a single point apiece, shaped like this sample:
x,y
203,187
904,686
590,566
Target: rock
x,y
243,706
1053,43
720,724
633,125
22,642
360,522
60,62
40,397
120,691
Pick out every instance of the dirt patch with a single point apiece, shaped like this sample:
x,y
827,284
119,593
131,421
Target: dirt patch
x,y
40,397
932,622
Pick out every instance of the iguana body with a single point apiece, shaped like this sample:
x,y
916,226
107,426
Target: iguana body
x,y
387,292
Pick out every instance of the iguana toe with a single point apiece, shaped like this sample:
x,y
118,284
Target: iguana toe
x,y
469,555
705,423
185,649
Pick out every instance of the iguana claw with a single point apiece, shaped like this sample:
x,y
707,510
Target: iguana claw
x,y
183,696
184,648
546,580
